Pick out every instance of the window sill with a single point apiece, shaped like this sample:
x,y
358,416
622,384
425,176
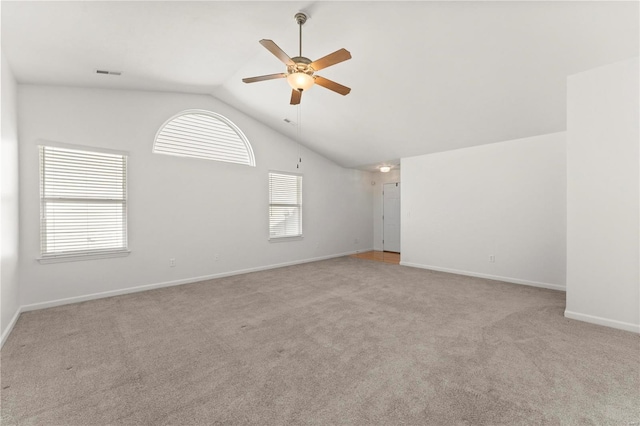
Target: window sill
x,y
78,257
284,239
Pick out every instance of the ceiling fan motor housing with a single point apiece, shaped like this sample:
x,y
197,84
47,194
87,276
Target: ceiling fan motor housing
x,y
301,65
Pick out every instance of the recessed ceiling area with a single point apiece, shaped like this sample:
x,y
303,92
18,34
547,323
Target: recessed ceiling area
x,y
425,76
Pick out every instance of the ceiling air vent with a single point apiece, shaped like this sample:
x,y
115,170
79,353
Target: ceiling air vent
x,y
108,72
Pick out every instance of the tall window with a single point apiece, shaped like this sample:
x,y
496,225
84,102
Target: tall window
x,y
206,135
83,203
285,205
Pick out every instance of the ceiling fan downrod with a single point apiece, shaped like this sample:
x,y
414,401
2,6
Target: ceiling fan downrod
x,y
301,18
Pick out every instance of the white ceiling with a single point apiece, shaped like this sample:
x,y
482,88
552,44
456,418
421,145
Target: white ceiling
x,y
425,76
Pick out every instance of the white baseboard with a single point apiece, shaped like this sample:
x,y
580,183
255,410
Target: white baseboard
x,y
111,293
487,276
9,328
627,326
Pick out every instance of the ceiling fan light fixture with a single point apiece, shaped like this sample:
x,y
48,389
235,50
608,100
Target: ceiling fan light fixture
x,y
300,81
385,169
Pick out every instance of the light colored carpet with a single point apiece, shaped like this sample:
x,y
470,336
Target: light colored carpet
x,y
342,341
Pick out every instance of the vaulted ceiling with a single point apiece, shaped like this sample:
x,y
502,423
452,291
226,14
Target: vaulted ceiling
x,y
425,76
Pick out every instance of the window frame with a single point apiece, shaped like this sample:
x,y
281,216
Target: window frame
x,y
78,255
299,205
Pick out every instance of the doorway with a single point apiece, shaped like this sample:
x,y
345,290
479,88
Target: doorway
x,y
391,217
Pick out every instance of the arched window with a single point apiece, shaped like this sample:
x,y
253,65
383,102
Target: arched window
x,y
203,134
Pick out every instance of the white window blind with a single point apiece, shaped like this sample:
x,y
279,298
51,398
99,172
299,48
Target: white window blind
x,y
285,205
206,135
83,202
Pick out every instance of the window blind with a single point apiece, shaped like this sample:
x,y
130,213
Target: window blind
x,y
206,135
285,205
83,202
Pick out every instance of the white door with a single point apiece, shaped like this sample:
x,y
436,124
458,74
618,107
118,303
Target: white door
x,y
391,217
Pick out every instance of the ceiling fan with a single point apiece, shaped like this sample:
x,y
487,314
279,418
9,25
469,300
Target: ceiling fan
x,y
300,70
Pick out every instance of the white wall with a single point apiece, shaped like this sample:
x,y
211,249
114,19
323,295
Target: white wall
x,y
9,202
603,213
181,208
505,200
380,179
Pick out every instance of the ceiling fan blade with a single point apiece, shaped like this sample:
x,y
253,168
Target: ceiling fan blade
x,y
331,59
296,95
332,85
264,77
279,53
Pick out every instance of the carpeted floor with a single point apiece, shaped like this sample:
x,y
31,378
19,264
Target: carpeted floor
x,y
342,341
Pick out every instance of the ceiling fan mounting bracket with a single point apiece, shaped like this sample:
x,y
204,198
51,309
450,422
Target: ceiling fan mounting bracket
x,y
301,18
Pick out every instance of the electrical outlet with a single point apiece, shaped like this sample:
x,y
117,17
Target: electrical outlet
x,y
216,257
492,258
172,262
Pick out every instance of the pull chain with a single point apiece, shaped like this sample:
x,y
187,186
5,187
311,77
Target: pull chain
x,y
299,134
